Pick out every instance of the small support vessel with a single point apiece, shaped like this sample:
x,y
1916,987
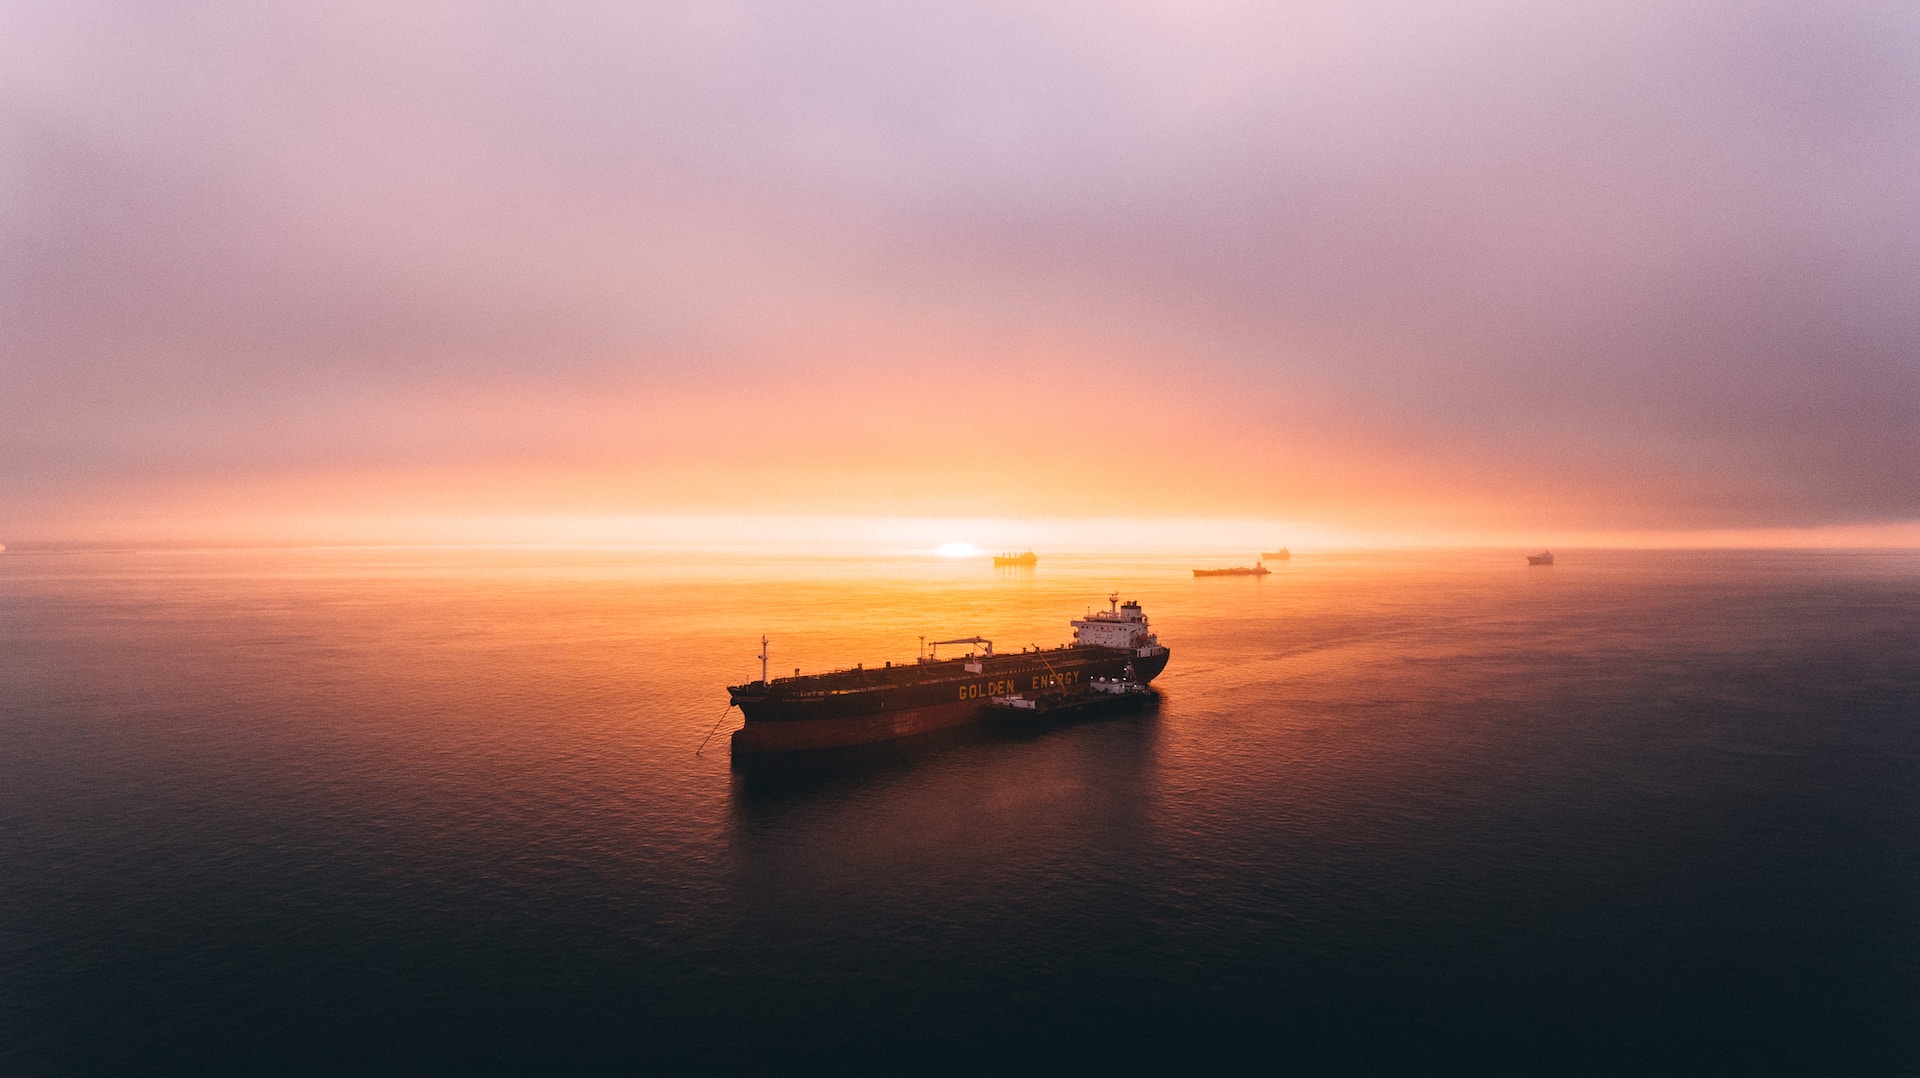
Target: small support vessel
x,y
1127,684
1097,695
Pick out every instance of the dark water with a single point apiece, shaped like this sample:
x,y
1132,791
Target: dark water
x,y
351,811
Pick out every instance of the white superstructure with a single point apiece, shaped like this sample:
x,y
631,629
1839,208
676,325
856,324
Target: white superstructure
x,y
1122,626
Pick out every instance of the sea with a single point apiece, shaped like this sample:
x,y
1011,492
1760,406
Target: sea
x,y
472,811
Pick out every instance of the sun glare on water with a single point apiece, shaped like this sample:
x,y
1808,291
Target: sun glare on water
x,y
958,550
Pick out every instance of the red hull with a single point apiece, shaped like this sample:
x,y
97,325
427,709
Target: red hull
x,y
840,733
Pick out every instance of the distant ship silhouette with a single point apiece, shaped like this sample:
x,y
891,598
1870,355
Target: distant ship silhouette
x,y
1239,570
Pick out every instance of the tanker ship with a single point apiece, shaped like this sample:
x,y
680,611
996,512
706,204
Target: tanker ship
x,y
863,705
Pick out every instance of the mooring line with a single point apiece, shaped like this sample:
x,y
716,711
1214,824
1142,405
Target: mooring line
x,y
715,730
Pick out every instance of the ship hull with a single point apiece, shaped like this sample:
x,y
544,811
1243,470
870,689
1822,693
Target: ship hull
x,y
865,707
805,735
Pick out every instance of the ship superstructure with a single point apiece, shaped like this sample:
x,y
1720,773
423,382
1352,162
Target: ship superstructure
x,y
867,704
1120,626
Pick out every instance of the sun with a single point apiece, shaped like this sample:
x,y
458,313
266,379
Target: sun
x,y
958,550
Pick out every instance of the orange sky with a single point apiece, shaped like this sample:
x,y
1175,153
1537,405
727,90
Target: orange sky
x,y
1461,275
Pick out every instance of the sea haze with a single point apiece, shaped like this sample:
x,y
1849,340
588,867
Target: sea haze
x,y
442,810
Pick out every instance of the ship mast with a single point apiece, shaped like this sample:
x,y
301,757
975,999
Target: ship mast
x,y
763,659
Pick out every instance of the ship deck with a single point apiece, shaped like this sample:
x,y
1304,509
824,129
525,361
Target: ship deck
x,y
861,678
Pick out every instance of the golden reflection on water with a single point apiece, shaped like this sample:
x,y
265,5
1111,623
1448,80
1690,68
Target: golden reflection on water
x,y
1370,776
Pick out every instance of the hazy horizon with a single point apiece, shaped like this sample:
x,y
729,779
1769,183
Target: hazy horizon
x,y
1633,274
813,536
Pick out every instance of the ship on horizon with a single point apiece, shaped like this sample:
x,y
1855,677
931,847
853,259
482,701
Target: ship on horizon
x,y
1256,569
843,708
1545,557
1283,554
1010,558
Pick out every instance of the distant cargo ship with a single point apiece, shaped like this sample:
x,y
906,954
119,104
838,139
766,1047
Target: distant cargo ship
x,y
1238,570
861,706
1011,558
1545,557
1283,554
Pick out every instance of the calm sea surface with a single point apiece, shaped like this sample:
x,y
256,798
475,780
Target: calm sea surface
x,y
441,810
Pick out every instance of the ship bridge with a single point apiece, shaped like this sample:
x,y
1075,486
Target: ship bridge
x,y
1122,625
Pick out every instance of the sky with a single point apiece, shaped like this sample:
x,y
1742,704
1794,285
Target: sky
x,y
1448,271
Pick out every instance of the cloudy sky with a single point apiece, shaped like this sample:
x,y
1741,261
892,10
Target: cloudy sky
x,y
1427,268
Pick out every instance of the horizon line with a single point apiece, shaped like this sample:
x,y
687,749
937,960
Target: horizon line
x,y
828,533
